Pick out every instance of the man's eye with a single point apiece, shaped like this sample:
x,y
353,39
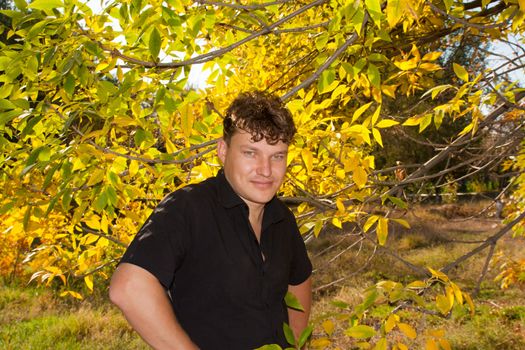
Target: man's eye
x,y
249,153
279,157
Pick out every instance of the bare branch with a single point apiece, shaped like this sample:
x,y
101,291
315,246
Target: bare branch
x,y
485,269
242,7
489,241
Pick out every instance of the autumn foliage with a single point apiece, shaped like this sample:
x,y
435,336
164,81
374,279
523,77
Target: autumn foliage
x,y
99,119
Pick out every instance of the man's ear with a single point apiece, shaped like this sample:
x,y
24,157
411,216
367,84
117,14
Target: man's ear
x,y
222,149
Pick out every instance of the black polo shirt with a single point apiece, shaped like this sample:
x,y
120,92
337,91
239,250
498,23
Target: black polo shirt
x,y
200,245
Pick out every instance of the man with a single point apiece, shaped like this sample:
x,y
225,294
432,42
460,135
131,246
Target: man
x,y
211,266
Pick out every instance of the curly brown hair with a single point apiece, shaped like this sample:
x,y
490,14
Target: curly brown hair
x,y
262,115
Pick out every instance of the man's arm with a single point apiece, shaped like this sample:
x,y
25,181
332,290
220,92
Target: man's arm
x,y
147,308
298,320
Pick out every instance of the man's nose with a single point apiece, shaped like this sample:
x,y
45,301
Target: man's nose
x,y
264,167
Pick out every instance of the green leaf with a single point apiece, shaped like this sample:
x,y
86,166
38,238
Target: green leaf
x,y
154,43
45,4
66,198
270,347
6,104
305,335
288,333
398,202
373,75
374,9
448,4
292,302
21,4
360,332
325,81
27,217
69,85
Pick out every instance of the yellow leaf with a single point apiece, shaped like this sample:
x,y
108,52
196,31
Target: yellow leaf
x,y
406,65
449,292
431,345
104,224
521,4
429,67
369,222
381,344
407,330
72,293
340,205
382,231
360,111
394,11
340,174
402,346
443,304
89,281
360,331
337,223
89,239
328,327
432,56
445,344
133,167
402,222
389,90
391,322
360,177
461,72
470,303
412,121
417,284
457,293
93,222
308,159
438,333
438,274
377,136
97,176
386,123
320,343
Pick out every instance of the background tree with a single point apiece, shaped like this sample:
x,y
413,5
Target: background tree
x,y
99,120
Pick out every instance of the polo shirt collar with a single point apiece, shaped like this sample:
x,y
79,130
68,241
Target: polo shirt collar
x,y
229,199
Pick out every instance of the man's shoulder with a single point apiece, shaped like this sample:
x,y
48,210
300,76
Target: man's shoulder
x,y
192,194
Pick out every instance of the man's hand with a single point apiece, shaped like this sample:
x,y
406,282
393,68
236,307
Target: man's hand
x,y
147,308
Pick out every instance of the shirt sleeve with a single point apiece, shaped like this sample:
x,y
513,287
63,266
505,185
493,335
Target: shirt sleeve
x,y
301,267
161,243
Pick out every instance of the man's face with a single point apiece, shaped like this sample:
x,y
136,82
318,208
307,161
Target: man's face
x,y
255,170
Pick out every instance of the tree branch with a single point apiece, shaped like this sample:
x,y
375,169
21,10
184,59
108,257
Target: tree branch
x,y
489,241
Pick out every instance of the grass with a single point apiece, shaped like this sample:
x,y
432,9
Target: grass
x,y
35,318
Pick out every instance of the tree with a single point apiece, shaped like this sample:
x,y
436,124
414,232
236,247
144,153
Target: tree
x,y
99,120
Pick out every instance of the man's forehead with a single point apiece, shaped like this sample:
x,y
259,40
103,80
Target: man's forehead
x,y
245,138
